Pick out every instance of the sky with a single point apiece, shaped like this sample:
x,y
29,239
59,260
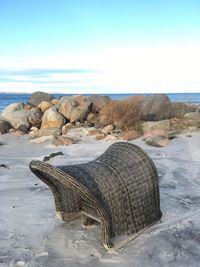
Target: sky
x,y
100,46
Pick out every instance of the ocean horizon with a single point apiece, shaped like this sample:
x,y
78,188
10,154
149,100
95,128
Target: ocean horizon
x,y
7,98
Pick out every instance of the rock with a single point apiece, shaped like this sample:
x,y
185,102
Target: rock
x,y
23,128
159,128
7,113
65,106
44,106
64,140
193,116
100,136
80,99
108,129
90,116
35,117
27,107
33,128
179,109
80,113
54,101
4,126
52,119
77,132
156,107
45,132
94,132
98,102
183,125
12,130
130,135
111,138
53,155
36,98
66,127
157,141
19,118
42,139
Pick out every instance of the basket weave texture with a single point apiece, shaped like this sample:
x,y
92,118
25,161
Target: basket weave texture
x,y
120,189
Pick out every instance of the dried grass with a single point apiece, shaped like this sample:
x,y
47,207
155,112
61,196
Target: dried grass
x,y
124,114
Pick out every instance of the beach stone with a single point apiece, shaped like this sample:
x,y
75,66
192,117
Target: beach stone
x,y
98,102
156,107
42,139
44,105
108,129
77,132
19,118
23,128
100,136
80,113
66,127
111,138
157,128
65,106
64,140
49,131
35,117
157,141
52,119
36,98
94,132
4,126
130,135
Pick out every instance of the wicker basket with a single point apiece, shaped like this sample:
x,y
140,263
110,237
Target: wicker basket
x,y
120,189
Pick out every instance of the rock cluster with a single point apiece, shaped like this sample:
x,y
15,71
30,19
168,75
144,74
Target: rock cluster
x,y
64,121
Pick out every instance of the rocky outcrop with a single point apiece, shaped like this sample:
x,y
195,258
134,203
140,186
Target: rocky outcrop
x,y
65,106
52,119
36,98
4,126
98,102
156,107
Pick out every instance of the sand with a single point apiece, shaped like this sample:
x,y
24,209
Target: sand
x,y
31,234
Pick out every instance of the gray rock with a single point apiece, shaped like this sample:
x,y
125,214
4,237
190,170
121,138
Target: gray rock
x,y
156,107
35,117
4,126
36,98
157,141
7,113
98,102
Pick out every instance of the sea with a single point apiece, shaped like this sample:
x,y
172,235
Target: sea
x,y
9,98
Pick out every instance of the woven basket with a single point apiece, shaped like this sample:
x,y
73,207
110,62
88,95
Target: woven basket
x,y
119,189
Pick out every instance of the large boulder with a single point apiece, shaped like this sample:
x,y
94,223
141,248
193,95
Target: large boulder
x,y
98,102
156,128
16,115
52,119
179,109
44,105
35,117
65,106
36,98
80,99
80,113
4,126
156,107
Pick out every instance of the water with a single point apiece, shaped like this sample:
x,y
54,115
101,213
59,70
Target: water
x,y
6,99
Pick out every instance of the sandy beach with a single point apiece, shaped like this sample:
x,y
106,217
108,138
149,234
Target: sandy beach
x,y
31,235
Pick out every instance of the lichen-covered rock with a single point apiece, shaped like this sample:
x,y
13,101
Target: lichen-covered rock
x,y
36,98
52,119
4,126
156,107
65,106
44,105
80,113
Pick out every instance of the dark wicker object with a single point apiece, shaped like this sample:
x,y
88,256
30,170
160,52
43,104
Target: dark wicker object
x,y
119,189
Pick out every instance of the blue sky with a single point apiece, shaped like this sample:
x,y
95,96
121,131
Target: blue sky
x,y
102,46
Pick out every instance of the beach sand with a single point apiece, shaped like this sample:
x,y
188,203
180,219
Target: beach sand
x,y
31,235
